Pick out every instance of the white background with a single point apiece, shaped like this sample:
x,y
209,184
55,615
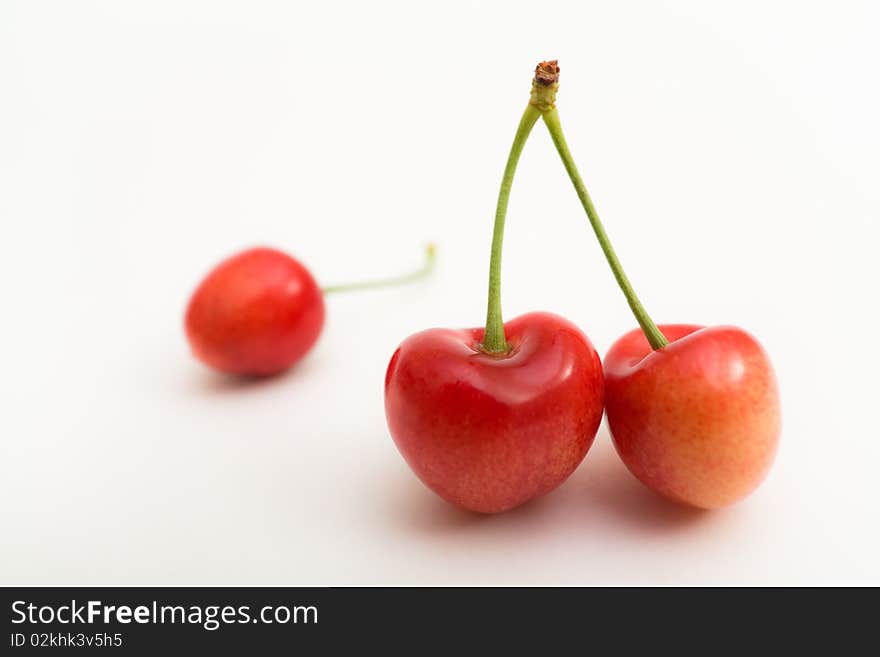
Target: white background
x,y
731,148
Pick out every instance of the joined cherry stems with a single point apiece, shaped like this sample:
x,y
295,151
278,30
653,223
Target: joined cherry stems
x,y
542,103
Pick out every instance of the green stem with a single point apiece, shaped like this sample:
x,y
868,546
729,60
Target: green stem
x,y
494,340
654,335
430,256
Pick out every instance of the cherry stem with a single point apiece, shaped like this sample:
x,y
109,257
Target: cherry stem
x,y
422,272
494,340
655,337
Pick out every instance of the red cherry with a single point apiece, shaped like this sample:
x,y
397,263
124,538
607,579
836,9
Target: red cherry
x,y
488,432
256,313
697,421
492,418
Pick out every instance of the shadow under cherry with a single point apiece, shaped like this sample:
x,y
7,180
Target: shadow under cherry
x,y
601,495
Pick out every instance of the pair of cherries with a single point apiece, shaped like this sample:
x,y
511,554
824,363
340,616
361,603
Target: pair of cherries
x,y
696,421
492,418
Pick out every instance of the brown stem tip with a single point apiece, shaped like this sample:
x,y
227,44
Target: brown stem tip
x,y
547,73
544,86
